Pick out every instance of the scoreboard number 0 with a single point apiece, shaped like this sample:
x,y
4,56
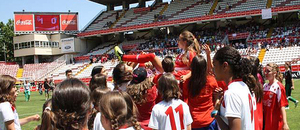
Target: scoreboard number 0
x,y
53,20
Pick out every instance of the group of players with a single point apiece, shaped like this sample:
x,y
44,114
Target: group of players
x,y
226,92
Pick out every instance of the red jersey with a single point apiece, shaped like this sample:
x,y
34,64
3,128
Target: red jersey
x,y
146,108
258,116
274,99
179,64
202,105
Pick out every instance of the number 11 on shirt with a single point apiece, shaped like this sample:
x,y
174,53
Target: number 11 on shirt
x,y
170,113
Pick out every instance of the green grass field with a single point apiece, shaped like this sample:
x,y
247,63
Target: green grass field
x,y
35,107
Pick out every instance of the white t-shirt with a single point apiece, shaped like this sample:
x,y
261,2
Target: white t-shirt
x,y
129,128
166,115
7,114
238,102
97,122
27,86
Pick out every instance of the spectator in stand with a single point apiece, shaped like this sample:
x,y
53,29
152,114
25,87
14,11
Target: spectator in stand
x,y
69,74
27,87
91,59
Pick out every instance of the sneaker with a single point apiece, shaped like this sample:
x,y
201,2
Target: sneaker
x,y
118,52
286,108
296,104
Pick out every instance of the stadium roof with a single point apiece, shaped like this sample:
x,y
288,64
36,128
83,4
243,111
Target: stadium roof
x,y
115,2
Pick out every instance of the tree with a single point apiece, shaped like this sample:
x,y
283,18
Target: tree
x,y
6,41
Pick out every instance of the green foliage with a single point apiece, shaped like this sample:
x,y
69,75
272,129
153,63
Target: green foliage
x,y
6,41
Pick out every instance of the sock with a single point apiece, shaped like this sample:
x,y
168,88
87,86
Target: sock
x,y
292,99
139,58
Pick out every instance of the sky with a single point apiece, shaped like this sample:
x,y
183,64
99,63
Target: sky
x,y
86,9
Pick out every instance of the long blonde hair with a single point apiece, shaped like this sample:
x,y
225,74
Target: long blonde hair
x,y
276,69
192,45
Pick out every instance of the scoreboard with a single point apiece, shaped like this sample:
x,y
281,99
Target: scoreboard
x,y
39,22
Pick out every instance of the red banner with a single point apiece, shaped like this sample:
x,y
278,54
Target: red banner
x,y
46,22
23,22
68,22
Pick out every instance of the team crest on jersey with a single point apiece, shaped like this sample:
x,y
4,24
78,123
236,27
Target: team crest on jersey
x,y
271,95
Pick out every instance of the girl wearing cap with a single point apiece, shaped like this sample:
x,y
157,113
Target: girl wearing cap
x,y
144,93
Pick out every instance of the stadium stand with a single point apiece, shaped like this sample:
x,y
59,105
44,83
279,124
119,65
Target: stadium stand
x,y
9,70
60,73
103,21
281,55
37,71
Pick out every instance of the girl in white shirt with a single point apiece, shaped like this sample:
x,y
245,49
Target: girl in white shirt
x,y
9,119
237,108
171,113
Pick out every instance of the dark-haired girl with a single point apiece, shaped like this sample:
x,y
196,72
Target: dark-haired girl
x,y
275,100
71,106
171,113
9,118
237,108
200,95
144,93
118,112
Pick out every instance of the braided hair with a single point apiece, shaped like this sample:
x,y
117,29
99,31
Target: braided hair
x,y
240,67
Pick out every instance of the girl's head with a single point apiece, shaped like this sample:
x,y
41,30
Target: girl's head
x,y
8,91
167,64
96,96
198,77
272,72
117,110
139,86
71,105
168,87
188,42
99,70
228,64
98,81
47,116
255,70
287,66
122,73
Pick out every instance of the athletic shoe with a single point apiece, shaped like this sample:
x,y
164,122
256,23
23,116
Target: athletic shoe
x,y
296,104
286,108
118,52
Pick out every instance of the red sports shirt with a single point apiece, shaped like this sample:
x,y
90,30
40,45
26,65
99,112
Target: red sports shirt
x,y
202,105
274,99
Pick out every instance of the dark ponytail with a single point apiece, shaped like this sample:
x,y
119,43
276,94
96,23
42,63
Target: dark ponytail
x,y
258,90
240,67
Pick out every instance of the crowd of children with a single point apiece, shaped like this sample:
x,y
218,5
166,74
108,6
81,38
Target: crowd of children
x,y
192,93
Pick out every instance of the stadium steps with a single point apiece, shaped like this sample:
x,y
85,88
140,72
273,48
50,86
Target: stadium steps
x,y
82,69
213,7
233,6
164,9
124,12
139,15
270,32
20,73
285,2
269,3
261,55
185,9
95,22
